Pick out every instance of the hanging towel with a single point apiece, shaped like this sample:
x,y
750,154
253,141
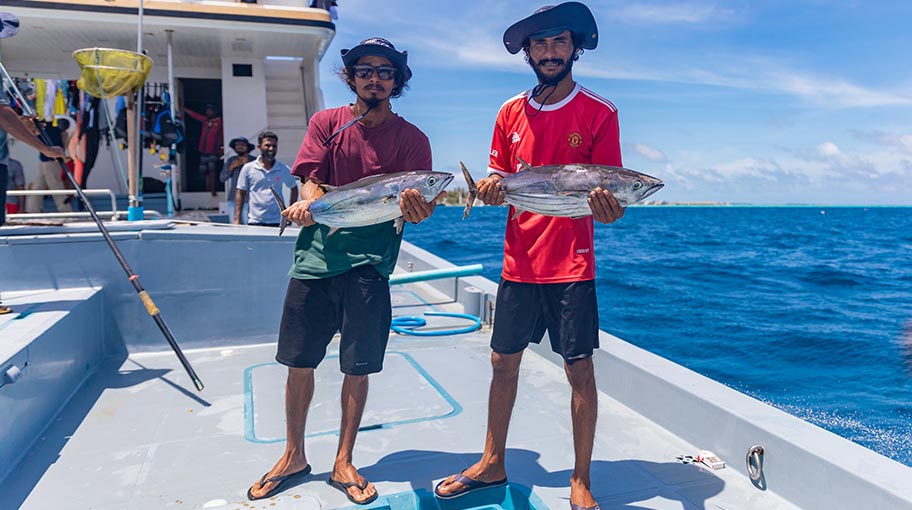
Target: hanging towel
x,y
59,103
40,91
50,98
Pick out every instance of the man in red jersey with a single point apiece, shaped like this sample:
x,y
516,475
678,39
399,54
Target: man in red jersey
x,y
210,144
341,282
549,266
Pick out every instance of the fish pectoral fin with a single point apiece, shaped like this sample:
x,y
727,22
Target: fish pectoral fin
x,y
525,165
398,223
517,212
389,198
332,231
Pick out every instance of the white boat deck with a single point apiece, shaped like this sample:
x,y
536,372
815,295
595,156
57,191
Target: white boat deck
x,y
137,436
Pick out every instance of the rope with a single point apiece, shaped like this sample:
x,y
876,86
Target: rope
x,y
407,325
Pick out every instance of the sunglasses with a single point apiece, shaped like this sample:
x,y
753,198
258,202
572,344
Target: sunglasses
x,y
365,71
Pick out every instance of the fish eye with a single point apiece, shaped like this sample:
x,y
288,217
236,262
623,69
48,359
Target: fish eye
x,y
431,180
637,185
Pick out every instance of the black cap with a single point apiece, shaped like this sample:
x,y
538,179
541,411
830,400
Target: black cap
x,y
235,141
379,47
551,20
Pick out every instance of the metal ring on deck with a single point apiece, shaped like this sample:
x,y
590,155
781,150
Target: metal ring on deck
x,y
754,461
407,325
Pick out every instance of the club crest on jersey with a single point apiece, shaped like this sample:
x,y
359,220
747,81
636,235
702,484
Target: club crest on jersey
x,y
575,139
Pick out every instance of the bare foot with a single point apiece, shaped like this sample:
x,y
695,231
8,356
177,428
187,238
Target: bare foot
x,y
285,466
478,471
580,495
346,473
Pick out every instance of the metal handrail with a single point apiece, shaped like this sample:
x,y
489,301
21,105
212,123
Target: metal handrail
x,y
42,192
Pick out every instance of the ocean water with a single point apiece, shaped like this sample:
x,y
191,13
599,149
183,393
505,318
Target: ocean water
x,y
808,309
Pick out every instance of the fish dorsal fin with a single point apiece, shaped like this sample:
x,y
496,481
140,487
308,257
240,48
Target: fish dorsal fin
x,y
397,224
525,166
473,190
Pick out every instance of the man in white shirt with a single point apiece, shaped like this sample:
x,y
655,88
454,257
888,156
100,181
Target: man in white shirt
x,y
255,180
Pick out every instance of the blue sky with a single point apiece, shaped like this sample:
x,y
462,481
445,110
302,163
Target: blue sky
x,y
764,102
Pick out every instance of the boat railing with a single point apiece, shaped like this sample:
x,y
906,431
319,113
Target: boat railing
x,y
113,214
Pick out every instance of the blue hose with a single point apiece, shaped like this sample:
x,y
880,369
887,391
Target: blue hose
x,y
407,325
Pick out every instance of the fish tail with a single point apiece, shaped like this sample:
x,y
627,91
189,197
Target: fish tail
x,y
473,191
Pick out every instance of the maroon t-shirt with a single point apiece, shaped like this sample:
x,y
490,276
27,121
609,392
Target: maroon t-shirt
x,y
359,151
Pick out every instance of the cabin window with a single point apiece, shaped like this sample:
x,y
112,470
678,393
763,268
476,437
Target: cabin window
x,y
242,69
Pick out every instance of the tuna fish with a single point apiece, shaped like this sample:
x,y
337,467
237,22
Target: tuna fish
x,y
375,199
563,190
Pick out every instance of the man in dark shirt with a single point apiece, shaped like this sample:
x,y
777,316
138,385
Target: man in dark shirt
x,y
232,167
346,274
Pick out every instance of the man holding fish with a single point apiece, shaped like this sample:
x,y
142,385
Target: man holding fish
x,y
571,136
340,276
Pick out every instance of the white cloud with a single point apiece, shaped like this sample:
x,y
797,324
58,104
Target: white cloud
x,y
831,91
826,173
648,152
676,13
468,35
902,143
829,150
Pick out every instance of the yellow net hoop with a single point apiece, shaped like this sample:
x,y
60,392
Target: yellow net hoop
x,y
109,72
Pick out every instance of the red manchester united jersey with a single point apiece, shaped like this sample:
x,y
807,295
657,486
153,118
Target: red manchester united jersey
x,y
583,128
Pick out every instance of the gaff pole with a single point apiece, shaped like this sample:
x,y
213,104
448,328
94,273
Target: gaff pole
x,y
134,279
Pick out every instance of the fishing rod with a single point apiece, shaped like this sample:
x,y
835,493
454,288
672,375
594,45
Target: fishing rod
x,y
133,277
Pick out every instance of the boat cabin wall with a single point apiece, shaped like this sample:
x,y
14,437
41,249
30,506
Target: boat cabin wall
x,y
242,106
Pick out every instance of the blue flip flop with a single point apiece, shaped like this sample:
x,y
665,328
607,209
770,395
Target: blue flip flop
x,y
344,486
285,482
470,485
581,507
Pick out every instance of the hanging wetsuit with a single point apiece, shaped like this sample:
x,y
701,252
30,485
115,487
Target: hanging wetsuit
x,y
92,134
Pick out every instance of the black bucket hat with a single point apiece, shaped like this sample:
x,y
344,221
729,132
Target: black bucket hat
x,y
551,20
379,47
235,141
9,25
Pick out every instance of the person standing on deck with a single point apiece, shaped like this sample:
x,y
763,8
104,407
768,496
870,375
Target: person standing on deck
x,y
49,176
232,168
16,182
548,280
210,144
255,180
341,282
12,124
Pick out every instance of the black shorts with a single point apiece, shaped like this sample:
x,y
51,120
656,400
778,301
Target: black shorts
x,y
356,302
567,311
208,163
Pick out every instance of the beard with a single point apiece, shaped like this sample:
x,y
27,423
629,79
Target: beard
x,y
545,79
373,96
